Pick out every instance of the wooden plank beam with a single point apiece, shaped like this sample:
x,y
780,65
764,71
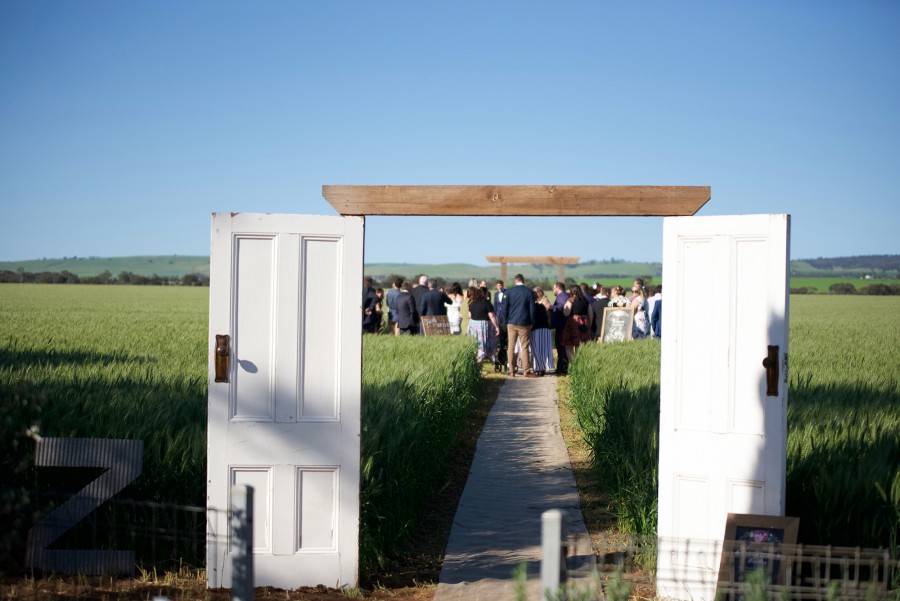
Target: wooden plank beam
x,y
538,201
536,260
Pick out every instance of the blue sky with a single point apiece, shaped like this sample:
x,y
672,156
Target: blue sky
x,y
123,125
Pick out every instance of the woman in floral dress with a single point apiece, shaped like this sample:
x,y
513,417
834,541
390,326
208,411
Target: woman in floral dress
x,y
483,325
578,326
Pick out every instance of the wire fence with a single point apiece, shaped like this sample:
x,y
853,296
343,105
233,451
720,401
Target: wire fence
x,y
118,537
749,572
165,537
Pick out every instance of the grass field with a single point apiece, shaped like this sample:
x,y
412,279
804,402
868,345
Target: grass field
x,y
843,455
130,362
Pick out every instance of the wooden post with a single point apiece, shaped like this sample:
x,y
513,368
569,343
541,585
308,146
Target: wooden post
x,y
553,567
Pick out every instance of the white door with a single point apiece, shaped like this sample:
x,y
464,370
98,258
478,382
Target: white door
x,y
286,290
722,439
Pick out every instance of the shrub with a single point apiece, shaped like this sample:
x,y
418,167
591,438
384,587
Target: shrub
x,y
842,288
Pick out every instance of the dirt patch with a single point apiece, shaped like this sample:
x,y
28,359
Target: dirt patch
x,y
105,589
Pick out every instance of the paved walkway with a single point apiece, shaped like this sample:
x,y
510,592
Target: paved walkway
x,y
521,469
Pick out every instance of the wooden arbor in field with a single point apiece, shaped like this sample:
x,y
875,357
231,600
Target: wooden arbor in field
x,y
560,263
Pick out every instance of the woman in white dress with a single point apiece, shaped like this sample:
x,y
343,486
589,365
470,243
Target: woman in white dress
x,y
641,327
454,309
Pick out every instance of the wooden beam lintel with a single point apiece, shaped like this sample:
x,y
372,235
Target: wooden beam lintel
x,y
537,201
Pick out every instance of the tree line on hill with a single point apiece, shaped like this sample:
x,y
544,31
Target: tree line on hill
x,y
848,288
881,266
21,276
879,263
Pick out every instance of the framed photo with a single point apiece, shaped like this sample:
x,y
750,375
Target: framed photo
x,y
755,542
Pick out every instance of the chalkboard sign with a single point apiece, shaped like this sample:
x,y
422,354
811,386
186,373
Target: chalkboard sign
x,y
616,324
435,325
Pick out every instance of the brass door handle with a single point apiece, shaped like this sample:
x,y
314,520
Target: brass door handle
x,y
223,357
771,365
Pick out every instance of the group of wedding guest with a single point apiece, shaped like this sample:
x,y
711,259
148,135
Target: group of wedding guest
x,y
575,316
408,303
645,303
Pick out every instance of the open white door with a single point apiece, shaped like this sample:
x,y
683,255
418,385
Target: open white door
x,y
286,290
722,439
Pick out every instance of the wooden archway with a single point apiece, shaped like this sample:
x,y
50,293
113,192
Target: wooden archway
x,y
560,263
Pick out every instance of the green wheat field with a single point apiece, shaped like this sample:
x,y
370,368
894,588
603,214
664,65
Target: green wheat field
x,y
130,362
843,446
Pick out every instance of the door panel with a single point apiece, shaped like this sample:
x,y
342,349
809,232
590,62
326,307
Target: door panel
x,y
287,290
722,440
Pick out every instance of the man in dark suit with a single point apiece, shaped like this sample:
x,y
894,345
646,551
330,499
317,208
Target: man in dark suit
x,y
558,322
418,292
502,338
407,316
518,315
371,305
600,302
433,302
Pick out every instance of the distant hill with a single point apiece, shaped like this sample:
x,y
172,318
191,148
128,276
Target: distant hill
x,y
882,266
178,265
165,265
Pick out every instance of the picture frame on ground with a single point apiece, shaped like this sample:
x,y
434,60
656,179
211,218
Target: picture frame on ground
x,y
752,542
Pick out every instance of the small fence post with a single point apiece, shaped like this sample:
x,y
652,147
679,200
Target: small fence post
x,y
553,567
242,543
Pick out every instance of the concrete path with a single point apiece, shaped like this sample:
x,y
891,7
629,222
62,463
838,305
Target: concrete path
x,y
521,469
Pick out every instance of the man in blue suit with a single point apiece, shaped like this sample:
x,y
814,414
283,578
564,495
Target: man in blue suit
x,y
499,303
656,319
518,315
499,299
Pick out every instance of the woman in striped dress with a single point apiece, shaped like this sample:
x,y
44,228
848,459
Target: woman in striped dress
x,y
541,339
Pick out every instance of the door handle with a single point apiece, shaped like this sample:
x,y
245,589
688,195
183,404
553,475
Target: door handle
x,y
223,357
771,365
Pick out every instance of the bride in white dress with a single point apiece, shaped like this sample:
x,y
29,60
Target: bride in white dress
x,y
454,309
